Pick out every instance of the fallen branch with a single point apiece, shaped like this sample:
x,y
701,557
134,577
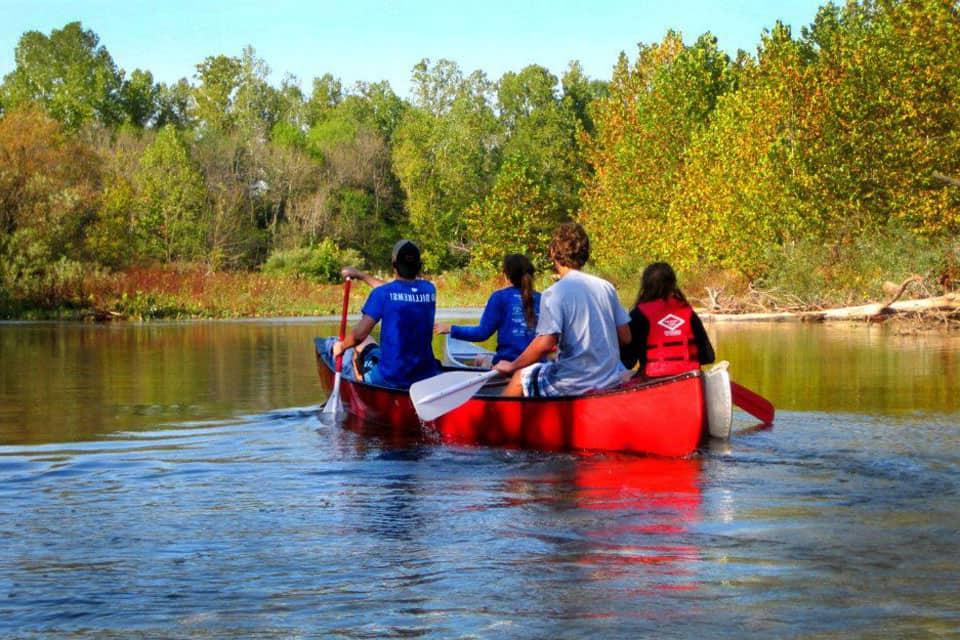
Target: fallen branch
x,y
949,180
903,287
948,304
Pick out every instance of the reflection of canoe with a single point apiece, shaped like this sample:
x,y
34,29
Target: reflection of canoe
x,y
664,417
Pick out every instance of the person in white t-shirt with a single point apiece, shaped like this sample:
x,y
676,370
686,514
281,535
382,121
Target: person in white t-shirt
x,y
580,317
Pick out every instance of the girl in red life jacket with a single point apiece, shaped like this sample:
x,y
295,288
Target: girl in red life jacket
x,y
668,337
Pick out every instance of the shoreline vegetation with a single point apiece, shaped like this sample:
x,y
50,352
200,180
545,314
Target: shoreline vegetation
x,y
191,292
817,177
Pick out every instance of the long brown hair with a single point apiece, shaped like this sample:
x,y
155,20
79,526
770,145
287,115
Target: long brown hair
x,y
519,270
659,282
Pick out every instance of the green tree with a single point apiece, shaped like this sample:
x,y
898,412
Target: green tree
x,y
445,156
375,106
69,73
643,129
518,216
733,201
174,105
579,92
256,104
539,180
171,201
140,98
886,74
213,97
290,127
327,93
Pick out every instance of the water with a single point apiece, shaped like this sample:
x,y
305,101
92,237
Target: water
x,y
174,481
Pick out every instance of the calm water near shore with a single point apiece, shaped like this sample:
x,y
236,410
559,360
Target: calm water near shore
x,y
172,480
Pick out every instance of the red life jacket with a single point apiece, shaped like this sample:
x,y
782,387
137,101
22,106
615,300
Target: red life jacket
x,y
671,348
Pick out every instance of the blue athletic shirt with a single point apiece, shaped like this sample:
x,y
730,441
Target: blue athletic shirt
x,y
503,314
405,309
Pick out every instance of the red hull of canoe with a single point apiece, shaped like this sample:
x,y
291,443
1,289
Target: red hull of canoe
x,y
666,417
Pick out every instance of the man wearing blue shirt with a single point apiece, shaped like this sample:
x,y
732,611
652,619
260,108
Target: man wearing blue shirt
x,y
406,307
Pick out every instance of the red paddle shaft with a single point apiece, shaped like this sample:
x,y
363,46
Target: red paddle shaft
x,y
343,322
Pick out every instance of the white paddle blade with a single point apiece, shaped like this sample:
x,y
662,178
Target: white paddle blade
x,y
440,394
719,400
333,409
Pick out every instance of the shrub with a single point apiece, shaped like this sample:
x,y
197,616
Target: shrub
x,y
32,277
854,272
321,262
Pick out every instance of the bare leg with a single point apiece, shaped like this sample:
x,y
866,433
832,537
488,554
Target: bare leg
x,y
514,388
357,351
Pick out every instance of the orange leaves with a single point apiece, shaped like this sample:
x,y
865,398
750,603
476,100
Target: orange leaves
x,y
48,181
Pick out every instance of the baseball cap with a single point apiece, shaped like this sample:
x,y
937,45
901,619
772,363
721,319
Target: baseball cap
x,y
406,251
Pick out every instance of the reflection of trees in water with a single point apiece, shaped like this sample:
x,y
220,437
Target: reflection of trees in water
x,y
76,382
865,369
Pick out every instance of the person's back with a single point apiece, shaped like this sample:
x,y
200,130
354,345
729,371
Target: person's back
x,y
584,310
668,336
581,317
511,312
405,309
516,331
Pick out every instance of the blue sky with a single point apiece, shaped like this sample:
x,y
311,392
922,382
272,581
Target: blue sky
x,y
374,40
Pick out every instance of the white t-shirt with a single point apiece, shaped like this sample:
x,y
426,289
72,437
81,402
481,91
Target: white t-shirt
x,y
585,311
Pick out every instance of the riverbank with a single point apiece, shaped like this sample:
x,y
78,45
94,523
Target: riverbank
x,y
186,292
195,293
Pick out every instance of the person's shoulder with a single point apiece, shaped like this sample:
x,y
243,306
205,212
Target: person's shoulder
x,y
390,285
382,290
553,289
551,294
589,281
426,285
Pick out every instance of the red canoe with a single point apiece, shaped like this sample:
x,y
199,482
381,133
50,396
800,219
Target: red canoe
x,y
664,417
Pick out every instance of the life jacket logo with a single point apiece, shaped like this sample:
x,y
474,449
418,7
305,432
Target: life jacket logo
x,y
671,323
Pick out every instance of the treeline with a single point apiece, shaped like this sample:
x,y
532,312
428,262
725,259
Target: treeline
x,y
826,160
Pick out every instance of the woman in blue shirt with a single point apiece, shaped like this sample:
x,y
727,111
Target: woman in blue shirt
x,y
511,312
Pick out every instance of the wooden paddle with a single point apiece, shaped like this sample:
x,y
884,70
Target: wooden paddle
x,y
441,394
333,409
753,403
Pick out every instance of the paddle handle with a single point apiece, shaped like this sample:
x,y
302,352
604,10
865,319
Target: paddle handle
x,y
483,377
338,365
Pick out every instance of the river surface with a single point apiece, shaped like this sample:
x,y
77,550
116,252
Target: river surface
x,y
173,480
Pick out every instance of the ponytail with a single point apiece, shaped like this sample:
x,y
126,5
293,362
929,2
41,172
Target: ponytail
x,y
519,270
526,296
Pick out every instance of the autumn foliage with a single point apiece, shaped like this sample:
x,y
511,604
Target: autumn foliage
x,y
828,160
820,142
